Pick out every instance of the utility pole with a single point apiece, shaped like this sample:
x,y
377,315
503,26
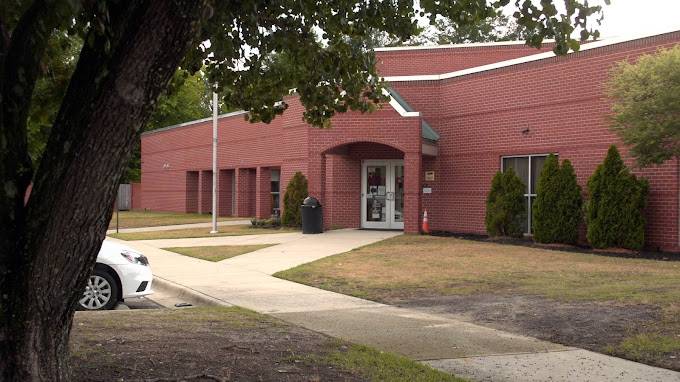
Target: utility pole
x,y
214,165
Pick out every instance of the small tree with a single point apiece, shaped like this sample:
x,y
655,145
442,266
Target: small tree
x,y
545,217
614,209
505,208
646,108
557,207
296,192
570,205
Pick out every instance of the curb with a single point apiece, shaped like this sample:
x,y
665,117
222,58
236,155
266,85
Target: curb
x,y
180,292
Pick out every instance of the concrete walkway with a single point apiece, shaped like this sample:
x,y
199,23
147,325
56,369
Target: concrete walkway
x,y
465,349
178,226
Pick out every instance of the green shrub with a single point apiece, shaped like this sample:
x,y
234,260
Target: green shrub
x,y
296,192
614,208
273,222
505,205
557,207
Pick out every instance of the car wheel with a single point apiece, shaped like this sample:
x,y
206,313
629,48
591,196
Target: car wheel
x,y
101,292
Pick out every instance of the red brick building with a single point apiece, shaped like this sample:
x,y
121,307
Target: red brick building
x,y
457,115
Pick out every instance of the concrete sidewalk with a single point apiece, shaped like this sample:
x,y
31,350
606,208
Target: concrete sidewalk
x,y
462,348
179,226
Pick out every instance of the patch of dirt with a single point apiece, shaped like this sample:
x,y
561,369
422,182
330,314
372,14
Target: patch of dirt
x,y
197,345
587,325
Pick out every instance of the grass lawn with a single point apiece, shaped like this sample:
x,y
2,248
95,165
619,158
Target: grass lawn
x,y
164,344
217,253
232,230
625,307
138,218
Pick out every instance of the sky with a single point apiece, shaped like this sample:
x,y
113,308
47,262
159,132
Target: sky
x,y
639,17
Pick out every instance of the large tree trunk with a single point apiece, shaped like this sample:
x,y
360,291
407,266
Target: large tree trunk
x,y
116,82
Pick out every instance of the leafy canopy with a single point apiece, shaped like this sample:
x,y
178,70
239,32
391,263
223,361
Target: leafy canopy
x,y
327,52
496,28
647,105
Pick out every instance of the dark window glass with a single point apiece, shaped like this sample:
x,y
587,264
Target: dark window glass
x,y
521,167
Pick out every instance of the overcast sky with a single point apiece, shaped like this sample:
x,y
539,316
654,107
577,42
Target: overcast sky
x,y
640,17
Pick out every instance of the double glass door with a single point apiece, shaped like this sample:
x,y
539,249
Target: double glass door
x,y
382,194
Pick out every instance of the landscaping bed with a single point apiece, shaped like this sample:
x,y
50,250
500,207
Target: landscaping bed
x,y
231,230
620,306
223,344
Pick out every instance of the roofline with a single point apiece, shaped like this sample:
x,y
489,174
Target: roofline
x,y
451,46
196,121
393,102
398,107
517,61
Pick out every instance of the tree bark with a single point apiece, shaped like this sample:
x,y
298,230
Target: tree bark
x,y
118,77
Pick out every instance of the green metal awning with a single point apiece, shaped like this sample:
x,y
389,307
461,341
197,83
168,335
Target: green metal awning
x,y
426,131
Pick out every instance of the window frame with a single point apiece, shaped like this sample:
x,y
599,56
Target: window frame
x,y
531,193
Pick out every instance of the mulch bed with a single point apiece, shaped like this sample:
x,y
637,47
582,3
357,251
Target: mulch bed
x,y
527,242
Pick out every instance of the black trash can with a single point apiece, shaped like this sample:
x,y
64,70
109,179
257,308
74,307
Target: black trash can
x,y
312,218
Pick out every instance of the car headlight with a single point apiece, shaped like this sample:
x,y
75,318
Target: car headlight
x,y
134,257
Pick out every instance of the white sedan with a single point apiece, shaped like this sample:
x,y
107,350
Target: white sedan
x,y
120,273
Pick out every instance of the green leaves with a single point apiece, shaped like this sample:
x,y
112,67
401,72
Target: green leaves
x,y
296,192
557,207
505,205
614,209
646,106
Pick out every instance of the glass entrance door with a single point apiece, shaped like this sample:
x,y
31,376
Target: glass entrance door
x,y
382,195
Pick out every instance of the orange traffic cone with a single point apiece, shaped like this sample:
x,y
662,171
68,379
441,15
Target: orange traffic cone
x,y
426,224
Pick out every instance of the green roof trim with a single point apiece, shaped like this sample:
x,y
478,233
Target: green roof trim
x,y
397,97
427,132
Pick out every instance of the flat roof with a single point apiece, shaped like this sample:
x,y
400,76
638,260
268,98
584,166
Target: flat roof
x,y
397,101
453,46
520,60
189,123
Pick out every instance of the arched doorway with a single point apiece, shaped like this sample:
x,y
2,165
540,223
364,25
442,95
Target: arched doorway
x,y
364,186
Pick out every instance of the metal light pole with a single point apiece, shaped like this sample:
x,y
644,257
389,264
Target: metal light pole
x,y
214,165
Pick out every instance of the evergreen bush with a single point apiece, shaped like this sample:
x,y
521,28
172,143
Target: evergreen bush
x,y
296,192
557,207
505,205
614,208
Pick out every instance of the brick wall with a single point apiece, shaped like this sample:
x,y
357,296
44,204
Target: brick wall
x,y
136,196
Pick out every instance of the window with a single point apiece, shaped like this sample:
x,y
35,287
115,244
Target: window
x,y
528,168
275,180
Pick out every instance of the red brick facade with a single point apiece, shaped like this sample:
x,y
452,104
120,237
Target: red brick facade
x,y
551,105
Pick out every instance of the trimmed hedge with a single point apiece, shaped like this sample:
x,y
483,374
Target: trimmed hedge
x,y
505,208
556,211
296,192
614,210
